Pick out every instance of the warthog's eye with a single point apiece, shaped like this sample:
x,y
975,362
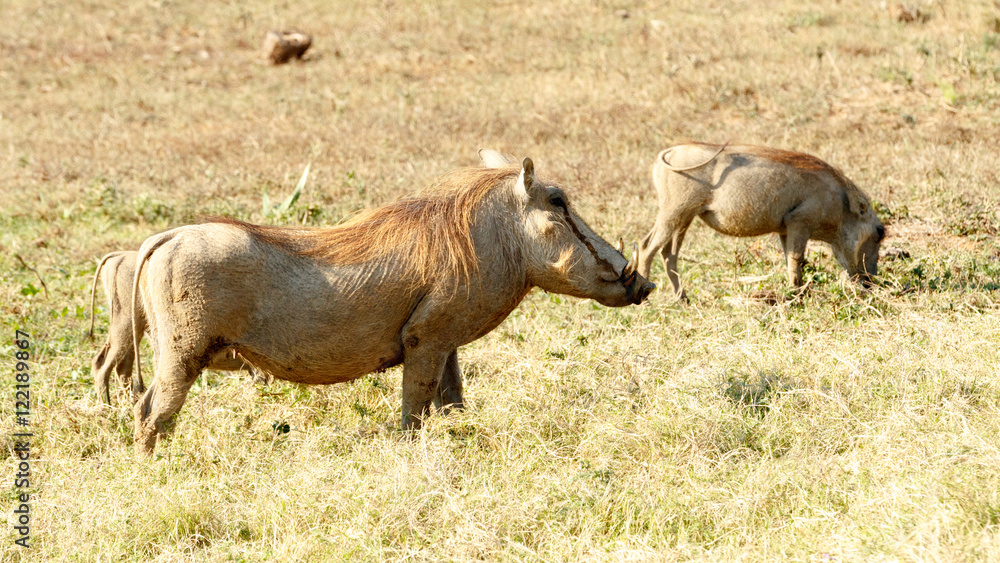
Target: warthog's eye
x,y
557,198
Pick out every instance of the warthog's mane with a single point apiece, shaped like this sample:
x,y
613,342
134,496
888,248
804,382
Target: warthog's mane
x,y
428,235
799,160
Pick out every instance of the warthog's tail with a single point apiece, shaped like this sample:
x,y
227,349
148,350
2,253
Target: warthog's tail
x,y
666,152
93,290
145,251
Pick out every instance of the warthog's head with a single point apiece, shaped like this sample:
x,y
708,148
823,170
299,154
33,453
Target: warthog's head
x,y
861,235
563,254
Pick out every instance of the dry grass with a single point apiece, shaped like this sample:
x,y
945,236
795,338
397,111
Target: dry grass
x,y
836,427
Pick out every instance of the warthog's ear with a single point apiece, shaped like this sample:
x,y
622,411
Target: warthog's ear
x,y
495,159
856,202
526,180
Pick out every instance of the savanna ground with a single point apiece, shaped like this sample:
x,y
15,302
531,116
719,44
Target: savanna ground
x,y
839,426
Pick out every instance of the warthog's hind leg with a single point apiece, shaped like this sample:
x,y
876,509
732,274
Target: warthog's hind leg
x,y
137,385
117,355
670,254
449,390
163,399
650,246
665,238
123,368
101,369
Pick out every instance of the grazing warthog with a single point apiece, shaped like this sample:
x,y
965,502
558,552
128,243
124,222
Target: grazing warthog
x,y
406,283
118,353
747,191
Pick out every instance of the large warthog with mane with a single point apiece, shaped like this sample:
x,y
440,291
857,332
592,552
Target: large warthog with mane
x,y
747,191
406,283
115,272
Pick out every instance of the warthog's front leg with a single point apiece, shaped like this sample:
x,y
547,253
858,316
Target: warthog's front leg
x,y
423,366
449,390
794,245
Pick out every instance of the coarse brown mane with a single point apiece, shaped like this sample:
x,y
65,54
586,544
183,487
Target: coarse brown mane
x,y
808,162
799,160
430,232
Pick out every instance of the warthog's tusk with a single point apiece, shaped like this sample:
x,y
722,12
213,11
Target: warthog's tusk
x,y
629,270
621,246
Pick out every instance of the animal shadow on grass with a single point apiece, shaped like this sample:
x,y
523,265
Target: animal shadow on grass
x,y
754,393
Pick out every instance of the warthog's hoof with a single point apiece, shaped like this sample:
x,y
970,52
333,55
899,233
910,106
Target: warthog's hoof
x,y
281,46
145,443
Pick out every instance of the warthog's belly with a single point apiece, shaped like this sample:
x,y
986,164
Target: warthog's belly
x,y
747,210
324,366
741,222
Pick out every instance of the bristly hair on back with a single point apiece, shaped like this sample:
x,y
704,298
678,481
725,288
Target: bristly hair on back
x,y
799,160
858,199
430,233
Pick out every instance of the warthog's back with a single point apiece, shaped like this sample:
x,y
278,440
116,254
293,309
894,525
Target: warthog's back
x,y
749,190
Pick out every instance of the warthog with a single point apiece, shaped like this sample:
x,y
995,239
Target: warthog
x,y
406,283
118,353
747,191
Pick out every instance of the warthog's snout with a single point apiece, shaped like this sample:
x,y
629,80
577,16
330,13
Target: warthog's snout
x,y
637,287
